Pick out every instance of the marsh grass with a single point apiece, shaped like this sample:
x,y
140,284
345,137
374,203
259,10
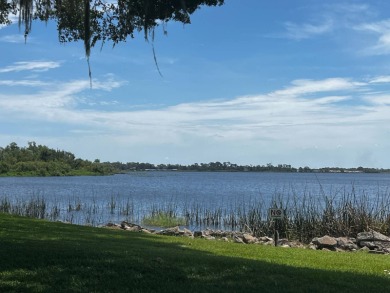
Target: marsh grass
x,y
166,215
163,219
342,213
42,256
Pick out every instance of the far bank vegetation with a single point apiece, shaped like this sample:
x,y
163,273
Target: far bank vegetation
x,y
40,160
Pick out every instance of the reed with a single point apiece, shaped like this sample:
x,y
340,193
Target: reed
x,y
342,213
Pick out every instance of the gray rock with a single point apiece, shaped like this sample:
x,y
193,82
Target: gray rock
x,y
188,233
209,238
377,252
147,231
371,236
198,234
130,227
369,244
113,226
325,242
174,231
346,243
249,239
238,240
265,239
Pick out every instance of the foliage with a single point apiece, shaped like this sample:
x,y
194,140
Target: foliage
x,y
40,256
39,160
91,21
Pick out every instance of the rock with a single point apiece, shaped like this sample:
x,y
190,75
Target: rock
x,y
187,233
249,239
346,243
364,249
209,238
296,244
225,239
377,252
369,244
238,240
146,231
265,239
325,242
130,227
283,241
174,231
373,241
198,234
113,226
371,236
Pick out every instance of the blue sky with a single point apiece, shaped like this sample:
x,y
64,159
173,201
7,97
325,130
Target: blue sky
x,y
300,82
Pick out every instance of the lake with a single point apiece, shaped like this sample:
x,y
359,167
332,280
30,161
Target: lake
x,y
97,200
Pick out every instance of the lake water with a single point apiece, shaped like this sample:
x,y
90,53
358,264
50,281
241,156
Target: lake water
x,y
98,200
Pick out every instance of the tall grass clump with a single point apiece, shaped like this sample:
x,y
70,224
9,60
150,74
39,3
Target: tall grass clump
x,y
35,207
163,216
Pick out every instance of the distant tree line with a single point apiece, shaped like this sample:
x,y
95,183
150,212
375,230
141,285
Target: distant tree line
x,y
230,167
40,160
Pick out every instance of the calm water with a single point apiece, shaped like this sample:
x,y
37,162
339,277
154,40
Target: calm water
x,y
109,198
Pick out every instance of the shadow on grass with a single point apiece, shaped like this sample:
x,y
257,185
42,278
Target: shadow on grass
x,y
38,256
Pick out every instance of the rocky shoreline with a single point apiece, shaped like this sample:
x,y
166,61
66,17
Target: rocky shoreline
x,y
371,241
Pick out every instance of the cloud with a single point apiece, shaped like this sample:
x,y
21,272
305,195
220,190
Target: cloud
x,y
36,66
13,18
307,30
13,39
381,31
306,86
304,102
380,79
31,83
306,113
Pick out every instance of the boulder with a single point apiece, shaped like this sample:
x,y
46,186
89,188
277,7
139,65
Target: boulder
x,y
113,226
345,243
174,231
325,242
187,233
371,236
237,239
147,231
131,227
198,233
373,241
266,239
249,239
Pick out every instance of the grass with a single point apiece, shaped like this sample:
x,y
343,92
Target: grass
x,y
163,219
42,256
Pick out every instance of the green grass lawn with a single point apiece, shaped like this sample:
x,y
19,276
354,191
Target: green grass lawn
x,y
42,256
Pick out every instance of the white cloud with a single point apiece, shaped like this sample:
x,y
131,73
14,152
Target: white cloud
x,y
307,30
305,114
26,82
36,66
381,31
13,39
380,79
304,86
